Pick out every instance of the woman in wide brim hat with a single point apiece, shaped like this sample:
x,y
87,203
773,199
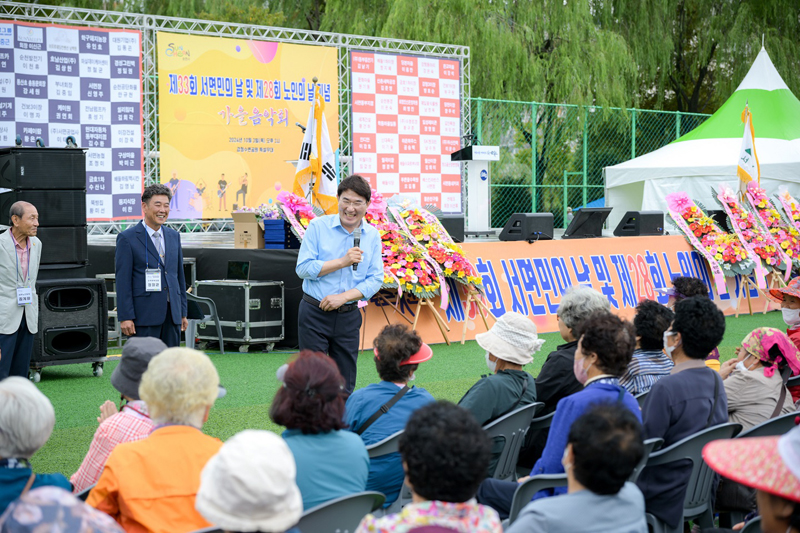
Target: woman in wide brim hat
x,y
771,465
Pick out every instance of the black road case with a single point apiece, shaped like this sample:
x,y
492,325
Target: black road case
x,y
250,312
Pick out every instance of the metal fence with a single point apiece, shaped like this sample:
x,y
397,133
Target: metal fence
x,y
572,146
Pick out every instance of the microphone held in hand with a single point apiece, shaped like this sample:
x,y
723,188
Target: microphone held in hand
x,y
356,243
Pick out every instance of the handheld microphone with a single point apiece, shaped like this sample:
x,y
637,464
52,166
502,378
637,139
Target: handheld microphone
x,y
356,243
300,126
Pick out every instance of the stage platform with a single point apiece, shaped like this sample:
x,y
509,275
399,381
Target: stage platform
x,y
529,278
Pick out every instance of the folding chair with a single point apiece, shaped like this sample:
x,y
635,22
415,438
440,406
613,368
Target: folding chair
x,y
386,446
341,515
512,427
649,446
697,502
641,396
529,488
774,427
191,330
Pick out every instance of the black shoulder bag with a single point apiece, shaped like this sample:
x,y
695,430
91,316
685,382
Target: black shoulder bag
x,y
383,410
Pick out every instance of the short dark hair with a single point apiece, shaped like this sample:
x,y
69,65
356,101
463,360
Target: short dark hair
x,y
394,344
701,325
651,321
357,184
689,287
156,189
445,451
606,447
611,338
312,397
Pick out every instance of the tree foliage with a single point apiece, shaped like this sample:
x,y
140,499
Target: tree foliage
x,y
686,55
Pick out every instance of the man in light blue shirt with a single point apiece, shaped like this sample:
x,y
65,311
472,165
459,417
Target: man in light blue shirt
x,y
340,263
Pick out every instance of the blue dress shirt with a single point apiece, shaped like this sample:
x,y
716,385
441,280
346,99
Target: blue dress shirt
x,y
325,240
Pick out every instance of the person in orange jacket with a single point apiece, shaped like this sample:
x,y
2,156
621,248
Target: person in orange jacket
x,y
150,485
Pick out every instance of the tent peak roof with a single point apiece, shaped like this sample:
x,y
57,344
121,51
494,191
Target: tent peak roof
x,y
762,75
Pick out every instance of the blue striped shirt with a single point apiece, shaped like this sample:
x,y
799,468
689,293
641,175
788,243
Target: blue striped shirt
x,y
646,367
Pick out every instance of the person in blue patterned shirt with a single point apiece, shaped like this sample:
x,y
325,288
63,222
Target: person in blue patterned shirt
x,y
649,362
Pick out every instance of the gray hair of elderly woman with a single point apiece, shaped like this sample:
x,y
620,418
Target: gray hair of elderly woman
x,y
27,418
579,303
178,386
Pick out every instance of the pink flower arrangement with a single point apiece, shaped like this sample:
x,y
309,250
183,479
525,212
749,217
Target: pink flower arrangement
x,y
298,206
748,229
785,236
704,234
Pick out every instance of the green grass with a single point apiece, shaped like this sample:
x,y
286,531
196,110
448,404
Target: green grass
x,y
251,383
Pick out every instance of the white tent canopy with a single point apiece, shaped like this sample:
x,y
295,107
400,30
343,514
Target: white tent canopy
x,y
707,156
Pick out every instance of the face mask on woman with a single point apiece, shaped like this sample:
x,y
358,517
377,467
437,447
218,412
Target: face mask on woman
x,y
667,348
581,374
492,365
791,316
740,365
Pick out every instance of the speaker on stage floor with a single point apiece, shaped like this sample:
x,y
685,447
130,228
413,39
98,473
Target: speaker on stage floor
x,y
55,207
42,168
454,224
528,227
72,320
64,245
636,223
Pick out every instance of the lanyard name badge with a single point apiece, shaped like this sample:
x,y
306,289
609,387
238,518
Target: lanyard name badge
x,y
152,276
24,293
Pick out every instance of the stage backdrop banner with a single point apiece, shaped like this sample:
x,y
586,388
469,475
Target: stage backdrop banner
x,y
61,81
227,114
406,121
532,278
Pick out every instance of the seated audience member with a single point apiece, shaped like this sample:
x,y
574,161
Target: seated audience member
x,y
27,419
604,351
445,455
330,462
51,509
686,287
132,422
771,465
789,298
250,485
690,399
556,379
603,448
150,484
382,409
649,362
753,381
509,344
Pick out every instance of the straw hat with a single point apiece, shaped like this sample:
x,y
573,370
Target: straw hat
x,y
792,289
513,338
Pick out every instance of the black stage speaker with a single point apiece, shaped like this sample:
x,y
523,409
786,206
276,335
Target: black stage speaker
x,y
62,271
454,224
64,245
588,222
42,168
636,223
56,208
528,227
72,320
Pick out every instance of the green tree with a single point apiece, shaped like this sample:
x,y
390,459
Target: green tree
x,y
692,54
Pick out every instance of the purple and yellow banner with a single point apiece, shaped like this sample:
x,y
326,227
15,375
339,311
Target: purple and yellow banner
x,y
227,114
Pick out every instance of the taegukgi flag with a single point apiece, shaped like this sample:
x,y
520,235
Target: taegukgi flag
x,y
748,168
316,163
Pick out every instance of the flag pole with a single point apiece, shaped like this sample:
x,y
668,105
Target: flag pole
x,y
310,194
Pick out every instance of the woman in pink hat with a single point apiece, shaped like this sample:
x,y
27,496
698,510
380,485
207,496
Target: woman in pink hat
x,y
771,465
753,381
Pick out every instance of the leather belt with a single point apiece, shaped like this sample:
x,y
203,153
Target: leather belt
x,y
346,308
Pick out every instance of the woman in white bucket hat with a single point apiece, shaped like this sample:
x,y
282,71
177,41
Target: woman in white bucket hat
x,y
509,345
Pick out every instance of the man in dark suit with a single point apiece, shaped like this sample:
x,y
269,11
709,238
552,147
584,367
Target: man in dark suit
x,y
151,289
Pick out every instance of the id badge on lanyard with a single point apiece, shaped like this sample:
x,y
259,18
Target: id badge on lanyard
x,y
24,294
152,276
